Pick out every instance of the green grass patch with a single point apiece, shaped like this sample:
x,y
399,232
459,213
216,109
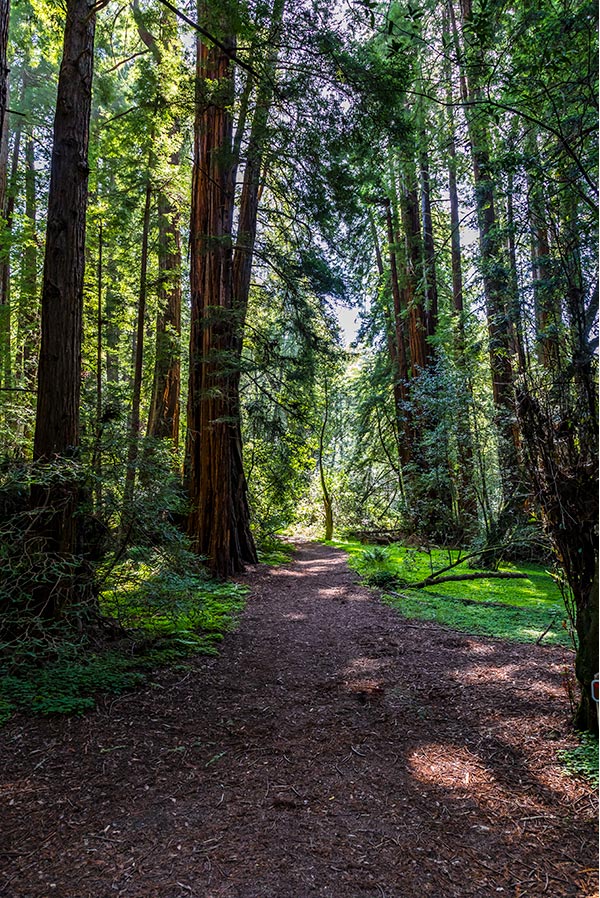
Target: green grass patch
x,y
582,761
164,616
274,551
507,609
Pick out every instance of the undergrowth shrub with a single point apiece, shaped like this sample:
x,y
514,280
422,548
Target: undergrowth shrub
x,y
377,567
145,598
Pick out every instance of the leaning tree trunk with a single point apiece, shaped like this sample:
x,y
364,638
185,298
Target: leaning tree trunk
x,y
59,373
219,514
564,470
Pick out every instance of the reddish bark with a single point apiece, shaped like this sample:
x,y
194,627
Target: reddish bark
x,y
219,517
59,375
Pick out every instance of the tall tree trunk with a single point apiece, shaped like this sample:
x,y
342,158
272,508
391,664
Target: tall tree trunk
x,y
244,250
163,421
8,210
219,517
493,262
465,488
163,418
420,350
429,268
59,374
327,504
564,471
401,386
97,461
398,388
134,421
28,317
514,294
547,311
4,17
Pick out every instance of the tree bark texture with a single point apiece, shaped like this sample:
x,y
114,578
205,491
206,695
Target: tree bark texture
x,y
59,373
547,311
8,209
493,262
134,421
431,291
399,350
28,312
564,471
163,418
420,351
218,522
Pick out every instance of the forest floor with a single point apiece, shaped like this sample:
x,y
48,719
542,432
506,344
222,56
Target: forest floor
x,y
332,749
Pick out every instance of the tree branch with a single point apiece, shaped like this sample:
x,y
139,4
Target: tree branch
x,y
214,40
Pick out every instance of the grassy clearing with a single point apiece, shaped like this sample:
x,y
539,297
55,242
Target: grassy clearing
x,y
508,609
163,616
518,610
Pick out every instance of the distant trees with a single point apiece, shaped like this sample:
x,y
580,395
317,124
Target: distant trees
x,y
417,160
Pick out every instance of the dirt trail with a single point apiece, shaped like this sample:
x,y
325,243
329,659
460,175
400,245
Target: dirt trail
x,y
333,749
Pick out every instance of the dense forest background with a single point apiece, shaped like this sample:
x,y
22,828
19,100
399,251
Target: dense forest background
x,y
189,193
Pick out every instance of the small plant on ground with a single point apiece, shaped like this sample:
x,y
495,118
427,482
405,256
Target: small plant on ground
x,y
377,568
274,551
582,760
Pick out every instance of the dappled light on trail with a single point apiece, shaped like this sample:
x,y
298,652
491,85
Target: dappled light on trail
x,y
448,765
331,751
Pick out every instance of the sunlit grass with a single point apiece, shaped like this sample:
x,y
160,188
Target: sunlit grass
x,y
165,614
531,604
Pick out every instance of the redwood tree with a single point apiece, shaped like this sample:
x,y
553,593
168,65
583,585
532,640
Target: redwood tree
x,y
59,373
219,518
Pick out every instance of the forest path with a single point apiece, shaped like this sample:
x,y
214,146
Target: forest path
x,y
332,749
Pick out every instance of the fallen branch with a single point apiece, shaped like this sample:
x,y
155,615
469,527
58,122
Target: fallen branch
x,y
484,575
539,639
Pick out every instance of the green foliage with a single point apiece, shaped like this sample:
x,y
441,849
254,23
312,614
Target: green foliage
x,y
273,551
66,686
160,609
582,761
507,609
147,594
377,567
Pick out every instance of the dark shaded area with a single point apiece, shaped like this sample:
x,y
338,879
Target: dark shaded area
x,y
333,749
